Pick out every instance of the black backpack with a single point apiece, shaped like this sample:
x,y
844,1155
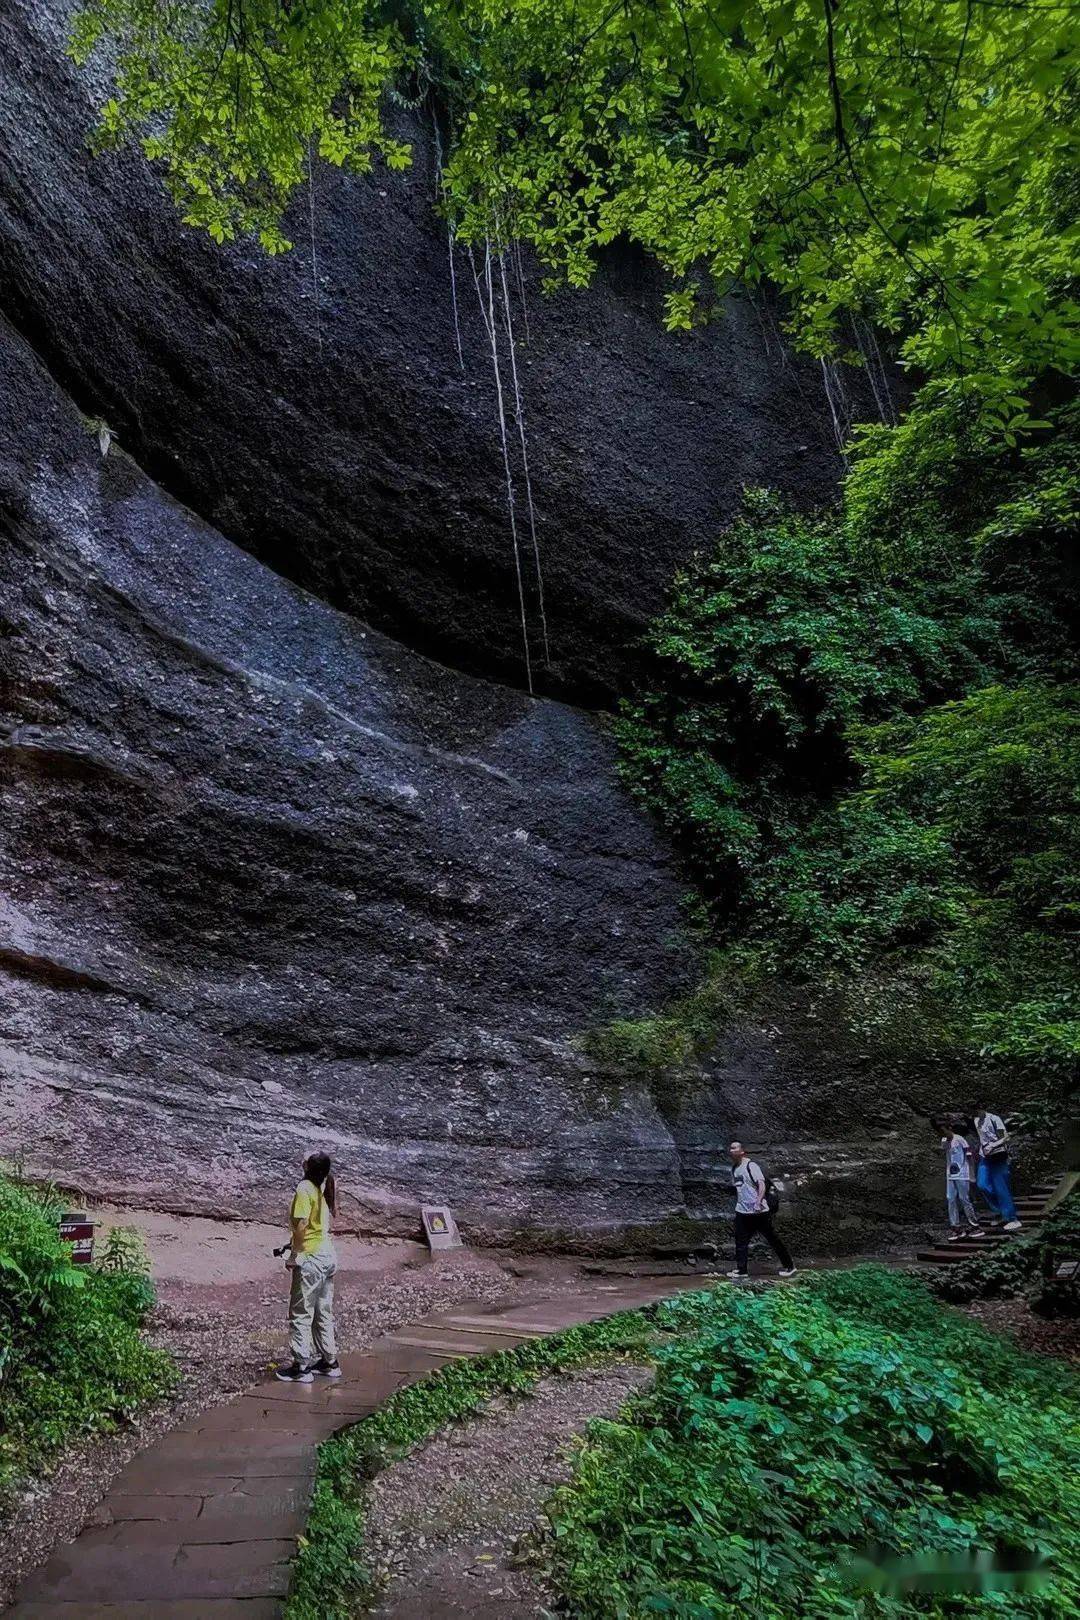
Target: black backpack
x,y
772,1193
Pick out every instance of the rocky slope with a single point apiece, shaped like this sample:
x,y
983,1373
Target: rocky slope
x,y
346,447
269,879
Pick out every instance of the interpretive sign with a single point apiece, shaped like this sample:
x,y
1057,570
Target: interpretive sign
x,y
440,1227
79,1232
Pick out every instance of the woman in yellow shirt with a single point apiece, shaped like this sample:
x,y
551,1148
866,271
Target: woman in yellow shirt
x,y
313,1263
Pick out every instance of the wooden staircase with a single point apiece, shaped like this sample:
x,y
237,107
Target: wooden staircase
x,y
1031,1209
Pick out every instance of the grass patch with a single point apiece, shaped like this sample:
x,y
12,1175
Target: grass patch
x,y
72,1359
331,1578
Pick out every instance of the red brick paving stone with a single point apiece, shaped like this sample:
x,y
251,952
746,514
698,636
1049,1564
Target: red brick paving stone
x,y
493,1324
160,1508
245,1503
447,1341
284,1420
215,1528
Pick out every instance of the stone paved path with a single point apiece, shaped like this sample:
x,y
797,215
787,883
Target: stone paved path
x,y
203,1525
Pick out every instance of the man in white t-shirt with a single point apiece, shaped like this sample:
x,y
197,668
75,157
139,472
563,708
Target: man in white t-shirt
x,y
752,1214
994,1175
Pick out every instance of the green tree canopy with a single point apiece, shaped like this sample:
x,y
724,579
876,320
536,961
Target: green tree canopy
x,y
880,161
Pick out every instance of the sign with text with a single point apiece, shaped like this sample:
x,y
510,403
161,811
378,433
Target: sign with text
x,y
79,1232
440,1227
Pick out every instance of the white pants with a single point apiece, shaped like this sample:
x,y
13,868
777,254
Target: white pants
x,y
311,1307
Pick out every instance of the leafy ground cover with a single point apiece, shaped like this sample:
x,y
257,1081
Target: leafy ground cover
x,y
794,1442
846,1448
72,1359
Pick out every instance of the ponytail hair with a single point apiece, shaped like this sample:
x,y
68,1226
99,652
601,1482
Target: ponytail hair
x,y
317,1168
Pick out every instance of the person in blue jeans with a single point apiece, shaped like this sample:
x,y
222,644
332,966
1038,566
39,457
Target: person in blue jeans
x,y
994,1178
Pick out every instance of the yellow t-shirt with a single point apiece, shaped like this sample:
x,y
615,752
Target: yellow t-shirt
x,y
309,1205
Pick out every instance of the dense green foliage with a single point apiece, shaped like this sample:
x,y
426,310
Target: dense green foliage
x,y
773,648
331,1579
792,1432
859,729
887,162
72,1360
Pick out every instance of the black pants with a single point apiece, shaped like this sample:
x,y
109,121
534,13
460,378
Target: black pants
x,y
745,1228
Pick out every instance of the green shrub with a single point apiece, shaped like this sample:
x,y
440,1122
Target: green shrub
x,y
1004,1271
790,1431
955,862
72,1361
1021,1270
772,648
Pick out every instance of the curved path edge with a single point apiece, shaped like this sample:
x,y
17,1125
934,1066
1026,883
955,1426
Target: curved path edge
x,y
202,1525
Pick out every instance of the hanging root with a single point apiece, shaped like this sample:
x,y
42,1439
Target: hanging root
x,y
839,408
314,258
519,415
866,339
440,192
485,293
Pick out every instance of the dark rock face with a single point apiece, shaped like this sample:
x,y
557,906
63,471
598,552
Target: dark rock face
x,y
270,880
368,468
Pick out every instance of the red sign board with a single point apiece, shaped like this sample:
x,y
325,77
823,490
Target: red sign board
x,y
79,1232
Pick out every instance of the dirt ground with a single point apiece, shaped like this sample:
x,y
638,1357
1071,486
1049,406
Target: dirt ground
x,y
1039,1333
449,1527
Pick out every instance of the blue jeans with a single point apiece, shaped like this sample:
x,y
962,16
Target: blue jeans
x,y
995,1183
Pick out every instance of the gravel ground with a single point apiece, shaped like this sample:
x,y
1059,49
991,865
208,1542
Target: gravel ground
x,y
221,1313
449,1527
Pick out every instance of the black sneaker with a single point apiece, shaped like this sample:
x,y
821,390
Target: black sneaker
x,y
294,1373
326,1369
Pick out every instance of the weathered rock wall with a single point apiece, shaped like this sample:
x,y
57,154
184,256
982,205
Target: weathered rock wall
x,y
270,879
367,467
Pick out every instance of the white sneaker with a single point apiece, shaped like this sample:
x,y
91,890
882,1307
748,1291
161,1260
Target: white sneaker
x,y
736,1276
1012,1226
790,1272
